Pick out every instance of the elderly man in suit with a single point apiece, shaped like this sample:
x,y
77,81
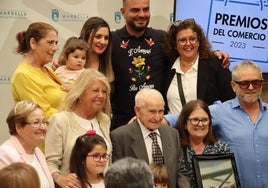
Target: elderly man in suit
x,y
134,140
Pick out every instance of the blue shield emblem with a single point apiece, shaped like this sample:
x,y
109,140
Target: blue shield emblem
x,y
117,17
55,15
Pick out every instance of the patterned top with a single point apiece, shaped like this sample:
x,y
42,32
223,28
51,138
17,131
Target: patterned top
x,y
219,147
137,63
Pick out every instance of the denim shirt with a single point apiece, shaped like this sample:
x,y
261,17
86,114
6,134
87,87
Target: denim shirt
x,y
248,141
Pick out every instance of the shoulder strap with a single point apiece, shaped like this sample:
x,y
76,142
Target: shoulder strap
x,y
183,102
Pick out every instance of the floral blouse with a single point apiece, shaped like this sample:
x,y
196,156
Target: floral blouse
x,y
220,147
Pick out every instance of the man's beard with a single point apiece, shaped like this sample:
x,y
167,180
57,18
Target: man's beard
x,y
137,28
246,99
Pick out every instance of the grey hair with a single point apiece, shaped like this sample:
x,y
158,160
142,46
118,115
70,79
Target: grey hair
x,y
129,173
244,64
145,94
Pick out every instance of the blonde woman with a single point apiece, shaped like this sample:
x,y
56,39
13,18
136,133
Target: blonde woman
x,y
86,106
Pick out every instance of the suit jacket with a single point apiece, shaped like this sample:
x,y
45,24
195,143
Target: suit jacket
x,y
213,81
128,141
12,151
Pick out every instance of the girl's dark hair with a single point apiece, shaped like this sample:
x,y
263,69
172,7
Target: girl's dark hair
x,y
83,145
189,107
37,30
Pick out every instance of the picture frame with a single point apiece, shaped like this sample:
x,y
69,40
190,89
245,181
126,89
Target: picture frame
x,y
217,170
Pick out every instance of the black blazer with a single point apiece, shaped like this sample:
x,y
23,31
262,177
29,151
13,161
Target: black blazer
x,y
128,141
213,81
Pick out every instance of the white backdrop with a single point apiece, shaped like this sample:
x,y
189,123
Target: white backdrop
x,y
68,17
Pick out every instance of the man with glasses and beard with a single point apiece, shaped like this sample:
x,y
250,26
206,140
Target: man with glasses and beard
x,y
242,123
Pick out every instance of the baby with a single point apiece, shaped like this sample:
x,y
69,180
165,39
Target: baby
x,y
72,60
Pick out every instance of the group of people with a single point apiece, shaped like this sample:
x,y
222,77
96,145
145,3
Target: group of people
x,y
240,122
80,107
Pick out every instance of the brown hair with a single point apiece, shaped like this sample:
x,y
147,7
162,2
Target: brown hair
x,y
89,29
72,44
19,175
37,30
170,45
19,114
160,173
183,118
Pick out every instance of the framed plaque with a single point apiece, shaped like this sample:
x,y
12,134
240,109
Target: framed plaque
x,y
218,170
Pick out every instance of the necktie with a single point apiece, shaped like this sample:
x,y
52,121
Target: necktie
x,y
157,154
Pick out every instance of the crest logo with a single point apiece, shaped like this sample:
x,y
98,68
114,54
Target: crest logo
x,y
55,15
117,17
171,17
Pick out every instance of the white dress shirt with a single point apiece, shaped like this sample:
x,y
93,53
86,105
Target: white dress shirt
x,y
189,85
148,141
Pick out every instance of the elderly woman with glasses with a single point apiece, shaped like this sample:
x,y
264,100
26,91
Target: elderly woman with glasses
x,y
28,127
195,128
194,71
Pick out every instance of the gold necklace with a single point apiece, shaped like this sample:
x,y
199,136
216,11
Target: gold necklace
x,y
187,65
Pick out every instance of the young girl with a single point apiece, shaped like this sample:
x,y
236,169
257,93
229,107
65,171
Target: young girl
x,y
161,176
73,58
88,159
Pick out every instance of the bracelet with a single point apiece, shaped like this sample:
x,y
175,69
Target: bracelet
x,y
55,177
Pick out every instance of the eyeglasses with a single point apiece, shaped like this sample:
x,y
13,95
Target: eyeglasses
x,y
196,121
256,84
98,157
37,123
183,41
